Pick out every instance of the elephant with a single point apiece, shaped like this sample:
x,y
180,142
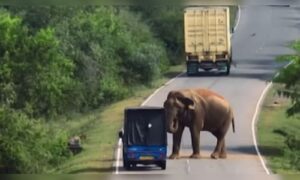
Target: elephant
x,y
199,110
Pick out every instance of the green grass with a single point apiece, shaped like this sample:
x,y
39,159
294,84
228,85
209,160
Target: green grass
x,y
101,127
273,121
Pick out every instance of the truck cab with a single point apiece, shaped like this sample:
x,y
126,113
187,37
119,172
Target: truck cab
x,y
144,137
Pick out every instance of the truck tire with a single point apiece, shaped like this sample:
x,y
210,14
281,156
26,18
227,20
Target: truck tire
x,y
126,164
163,164
228,68
191,68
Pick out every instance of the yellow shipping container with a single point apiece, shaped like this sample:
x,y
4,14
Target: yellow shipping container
x,y
207,38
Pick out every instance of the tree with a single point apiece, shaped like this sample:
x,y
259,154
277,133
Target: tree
x,y
35,75
25,144
289,76
167,25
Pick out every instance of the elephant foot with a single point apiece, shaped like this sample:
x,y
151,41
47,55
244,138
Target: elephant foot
x,y
174,156
223,156
195,156
214,155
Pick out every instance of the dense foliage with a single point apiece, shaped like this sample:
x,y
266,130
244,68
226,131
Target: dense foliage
x,y
289,76
59,60
25,144
112,50
167,25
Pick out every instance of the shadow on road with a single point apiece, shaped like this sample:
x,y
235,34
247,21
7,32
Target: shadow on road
x,y
142,168
250,150
265,150
260,76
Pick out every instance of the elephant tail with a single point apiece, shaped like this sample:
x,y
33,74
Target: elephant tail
x,y
233,125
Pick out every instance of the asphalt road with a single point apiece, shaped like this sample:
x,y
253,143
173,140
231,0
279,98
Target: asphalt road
x,y
263,33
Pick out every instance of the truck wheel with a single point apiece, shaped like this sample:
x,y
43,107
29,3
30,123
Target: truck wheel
x,y
163,164
227,69
126,165
191,69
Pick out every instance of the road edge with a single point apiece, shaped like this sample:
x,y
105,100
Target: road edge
x,y
255,120
253,126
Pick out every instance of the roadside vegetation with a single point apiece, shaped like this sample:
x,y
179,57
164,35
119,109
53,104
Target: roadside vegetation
x,y
58,65
71,71
278,128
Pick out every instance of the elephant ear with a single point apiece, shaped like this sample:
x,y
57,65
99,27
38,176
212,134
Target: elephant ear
x,y
186,101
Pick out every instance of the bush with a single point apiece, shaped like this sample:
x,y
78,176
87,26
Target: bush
x,y
35,75
26,145
289,76
112,50
167,25
293,150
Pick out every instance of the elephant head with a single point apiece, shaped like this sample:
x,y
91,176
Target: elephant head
x,y
177,108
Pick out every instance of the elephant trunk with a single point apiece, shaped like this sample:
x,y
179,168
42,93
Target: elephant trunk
x,y
173,126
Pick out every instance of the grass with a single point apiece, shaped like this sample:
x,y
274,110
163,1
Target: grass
x,y
101,127
273,122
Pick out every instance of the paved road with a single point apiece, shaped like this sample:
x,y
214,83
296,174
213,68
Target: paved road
x,y
262,34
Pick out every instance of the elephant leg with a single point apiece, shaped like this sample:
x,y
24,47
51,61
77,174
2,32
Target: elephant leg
x,y
195,136
223,154
220,144
176,143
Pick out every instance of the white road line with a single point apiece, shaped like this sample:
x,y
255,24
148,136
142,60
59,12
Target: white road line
x,y
187,167
238,18
118,156
157,90
149,98
257,109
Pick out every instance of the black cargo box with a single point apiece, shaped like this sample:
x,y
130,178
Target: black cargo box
x,y
145,126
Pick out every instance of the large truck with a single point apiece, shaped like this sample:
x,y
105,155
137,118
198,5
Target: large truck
x,y
207,39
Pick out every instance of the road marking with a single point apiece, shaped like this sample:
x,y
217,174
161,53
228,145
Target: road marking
x,y
187,167
155,92
118,156
257,109
238,18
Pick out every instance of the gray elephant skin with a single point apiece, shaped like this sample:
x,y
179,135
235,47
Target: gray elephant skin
x,y
199,110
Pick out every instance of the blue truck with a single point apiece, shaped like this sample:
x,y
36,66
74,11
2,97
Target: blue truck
x,y
144,137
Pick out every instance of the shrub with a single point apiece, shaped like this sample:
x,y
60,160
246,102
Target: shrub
x,y
27,145
293,150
